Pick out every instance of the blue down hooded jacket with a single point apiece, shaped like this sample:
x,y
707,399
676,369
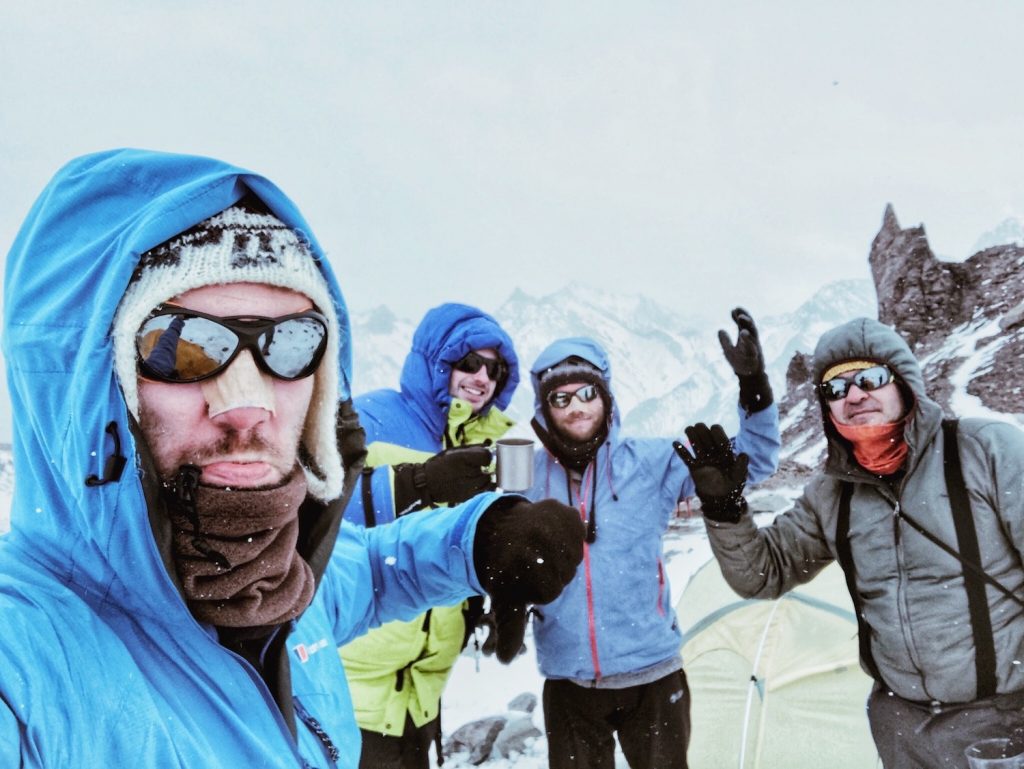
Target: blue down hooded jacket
x,y
616,617
101,663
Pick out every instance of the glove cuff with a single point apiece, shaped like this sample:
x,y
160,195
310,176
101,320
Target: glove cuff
x,y
755,392
486,544
724,509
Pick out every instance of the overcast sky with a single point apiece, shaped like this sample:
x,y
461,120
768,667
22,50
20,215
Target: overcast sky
x,y
704,154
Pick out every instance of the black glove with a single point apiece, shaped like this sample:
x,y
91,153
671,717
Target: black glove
x,y
525,553
486,621
449,477
717,472
747,360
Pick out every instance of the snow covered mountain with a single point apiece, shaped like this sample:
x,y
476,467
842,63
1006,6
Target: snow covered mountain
x,y
1009,232
667,371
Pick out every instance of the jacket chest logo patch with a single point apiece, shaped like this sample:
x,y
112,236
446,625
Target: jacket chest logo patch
x,y
305,651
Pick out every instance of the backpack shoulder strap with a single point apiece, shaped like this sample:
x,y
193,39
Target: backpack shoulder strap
x,y
369,516
845,557
970,552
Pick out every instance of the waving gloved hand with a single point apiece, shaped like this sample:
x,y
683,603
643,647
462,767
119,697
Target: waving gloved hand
x,y
449,477
525,553
747,361
717,472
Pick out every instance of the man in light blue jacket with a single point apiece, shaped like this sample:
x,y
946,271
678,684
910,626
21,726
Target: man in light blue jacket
x,y
176,578
608,646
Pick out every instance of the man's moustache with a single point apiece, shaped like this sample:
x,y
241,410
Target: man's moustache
x,y
231,443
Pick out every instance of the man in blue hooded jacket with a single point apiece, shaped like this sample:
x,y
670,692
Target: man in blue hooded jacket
x,y
461,372
608,646
175,581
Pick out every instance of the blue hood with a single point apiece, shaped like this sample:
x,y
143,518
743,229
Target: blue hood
x,y
446,334
66,272
569,347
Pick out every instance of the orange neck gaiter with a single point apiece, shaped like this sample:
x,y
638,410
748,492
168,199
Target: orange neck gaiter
x,y
880,449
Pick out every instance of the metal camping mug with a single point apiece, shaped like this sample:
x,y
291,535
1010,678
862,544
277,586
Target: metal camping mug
x,y
514,457
997,753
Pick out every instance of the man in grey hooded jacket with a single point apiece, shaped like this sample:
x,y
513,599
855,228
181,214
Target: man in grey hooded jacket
x,y
938,585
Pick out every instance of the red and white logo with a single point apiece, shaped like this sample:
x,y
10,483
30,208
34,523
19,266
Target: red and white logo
x,y
304,652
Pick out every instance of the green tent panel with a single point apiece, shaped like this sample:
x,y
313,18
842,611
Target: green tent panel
x,y
775,684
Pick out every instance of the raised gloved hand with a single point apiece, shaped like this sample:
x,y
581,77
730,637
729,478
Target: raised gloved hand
x,y
747,360
525,553
449,477
717,472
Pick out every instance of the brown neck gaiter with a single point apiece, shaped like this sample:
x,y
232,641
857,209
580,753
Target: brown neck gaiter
x,y
235,554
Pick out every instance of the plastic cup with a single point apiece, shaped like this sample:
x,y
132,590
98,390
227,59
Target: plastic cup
x,y
514,457
995,753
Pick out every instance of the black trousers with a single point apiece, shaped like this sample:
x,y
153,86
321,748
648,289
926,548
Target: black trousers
x,y
652,722
410,751
910,735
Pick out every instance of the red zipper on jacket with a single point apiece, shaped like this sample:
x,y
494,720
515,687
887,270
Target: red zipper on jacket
x,y
588,580
661,588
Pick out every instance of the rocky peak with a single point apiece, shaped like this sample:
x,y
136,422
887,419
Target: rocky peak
x,y
925,298
914,288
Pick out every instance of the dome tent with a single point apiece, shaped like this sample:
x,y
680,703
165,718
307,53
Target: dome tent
x,y
774,683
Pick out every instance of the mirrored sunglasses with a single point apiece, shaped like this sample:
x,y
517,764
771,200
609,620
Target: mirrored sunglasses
x,y
868,379
560,399
179,345
471,362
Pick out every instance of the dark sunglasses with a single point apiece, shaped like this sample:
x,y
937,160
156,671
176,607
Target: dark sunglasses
x,y
560,399
179,345
471,362
868,379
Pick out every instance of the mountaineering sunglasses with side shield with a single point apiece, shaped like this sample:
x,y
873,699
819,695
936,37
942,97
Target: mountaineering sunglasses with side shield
x,y
178,345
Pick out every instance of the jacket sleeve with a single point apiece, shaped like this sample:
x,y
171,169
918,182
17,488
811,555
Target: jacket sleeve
x,y
766,562
759,439
993,466
400,570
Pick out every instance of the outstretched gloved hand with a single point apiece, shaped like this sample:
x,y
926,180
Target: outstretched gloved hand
x,y
448,477
718,473
525,553
747,361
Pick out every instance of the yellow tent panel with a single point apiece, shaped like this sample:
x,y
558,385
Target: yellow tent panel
x,y
775,684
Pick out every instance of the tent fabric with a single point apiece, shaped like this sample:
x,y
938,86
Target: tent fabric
x,y
774,683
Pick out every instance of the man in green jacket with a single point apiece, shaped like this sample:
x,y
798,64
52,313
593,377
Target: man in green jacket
x,y
926,517
425,441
